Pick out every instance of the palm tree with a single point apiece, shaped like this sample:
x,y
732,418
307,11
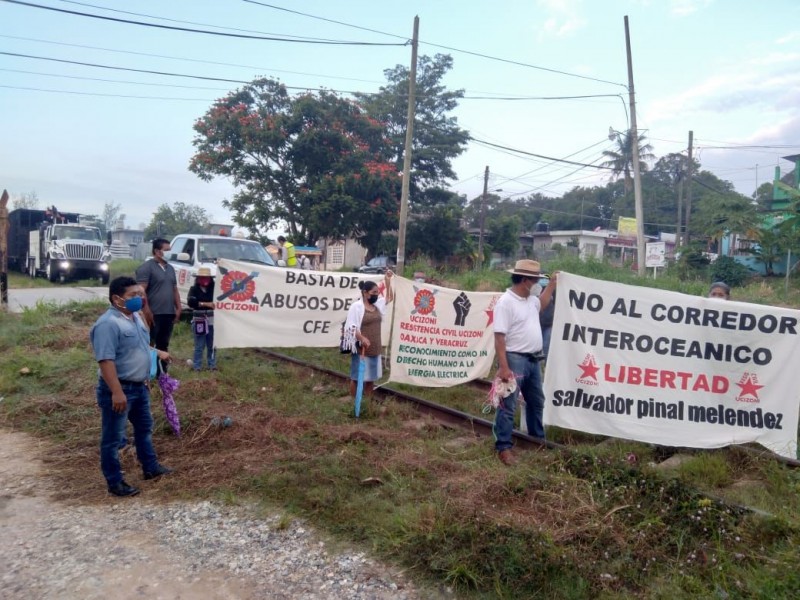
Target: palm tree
x,y
620,160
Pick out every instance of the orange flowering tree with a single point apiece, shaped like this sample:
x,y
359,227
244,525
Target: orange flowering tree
x,y
316,162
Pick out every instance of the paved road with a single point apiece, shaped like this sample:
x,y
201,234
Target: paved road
x,y
18,299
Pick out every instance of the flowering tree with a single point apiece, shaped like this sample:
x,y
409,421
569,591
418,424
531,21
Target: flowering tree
x,y
315,161
437,138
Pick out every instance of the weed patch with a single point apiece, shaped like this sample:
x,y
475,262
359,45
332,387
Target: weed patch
x,y
596,523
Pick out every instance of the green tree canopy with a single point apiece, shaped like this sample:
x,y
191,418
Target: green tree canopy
x,y
504,235
435,229
169,221
437,137
316,162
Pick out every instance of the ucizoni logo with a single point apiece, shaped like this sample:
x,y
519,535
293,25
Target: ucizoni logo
x,y
238,292
589,369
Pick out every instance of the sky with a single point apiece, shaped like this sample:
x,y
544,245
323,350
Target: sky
x,y
82,136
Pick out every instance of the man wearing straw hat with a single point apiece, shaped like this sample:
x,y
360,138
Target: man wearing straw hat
x,y
517,342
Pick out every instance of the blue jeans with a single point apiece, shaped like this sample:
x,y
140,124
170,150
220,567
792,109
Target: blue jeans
x,y
546,334
206,341
529,382
113,430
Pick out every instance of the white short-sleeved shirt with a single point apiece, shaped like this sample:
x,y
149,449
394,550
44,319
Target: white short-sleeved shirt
x,y
518,319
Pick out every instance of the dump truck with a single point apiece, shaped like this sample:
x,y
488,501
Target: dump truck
x,y
55,245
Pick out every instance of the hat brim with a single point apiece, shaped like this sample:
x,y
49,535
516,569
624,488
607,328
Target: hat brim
x,y
525,273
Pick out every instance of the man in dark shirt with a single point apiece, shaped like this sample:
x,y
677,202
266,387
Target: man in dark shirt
x,y
158,279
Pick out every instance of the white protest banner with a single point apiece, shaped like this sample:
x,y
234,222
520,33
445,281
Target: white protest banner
x,y
259,306
672,369
441,336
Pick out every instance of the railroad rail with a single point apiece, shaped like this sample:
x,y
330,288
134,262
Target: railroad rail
x,y
477,425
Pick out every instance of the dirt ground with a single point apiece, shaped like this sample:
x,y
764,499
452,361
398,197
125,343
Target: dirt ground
x,y
38,532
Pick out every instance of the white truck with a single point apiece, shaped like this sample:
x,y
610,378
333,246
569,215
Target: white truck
x,y
190,251
56,246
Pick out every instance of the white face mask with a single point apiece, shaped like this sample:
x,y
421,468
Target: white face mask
x,y
536,290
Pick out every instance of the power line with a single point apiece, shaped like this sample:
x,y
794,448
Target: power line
x,y
302,14
734,145
519,177
14,87
752,147
191,87
99,66
171,74
136,14
469,52
151,72
550,158
580,97
181,58
202,31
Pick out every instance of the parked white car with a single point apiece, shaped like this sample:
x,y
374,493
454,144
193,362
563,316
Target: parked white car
x,y
190,251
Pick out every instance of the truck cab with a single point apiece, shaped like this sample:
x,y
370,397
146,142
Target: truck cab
x,y
65,251
190,251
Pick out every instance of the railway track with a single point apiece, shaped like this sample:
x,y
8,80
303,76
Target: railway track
x,y
444,414
477,425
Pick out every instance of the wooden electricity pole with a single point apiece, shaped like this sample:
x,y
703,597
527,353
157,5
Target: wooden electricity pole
x,y
637,178
689,170
482,222
679,225
412,90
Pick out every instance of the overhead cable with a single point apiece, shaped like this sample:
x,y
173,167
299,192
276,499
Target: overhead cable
x,y
172,74
469,52
551,158
16,87
201,31
182,58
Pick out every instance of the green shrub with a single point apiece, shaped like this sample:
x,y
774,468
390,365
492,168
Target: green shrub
x,y
726,269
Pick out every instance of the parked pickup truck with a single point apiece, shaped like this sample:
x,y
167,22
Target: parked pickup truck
x,y
190,251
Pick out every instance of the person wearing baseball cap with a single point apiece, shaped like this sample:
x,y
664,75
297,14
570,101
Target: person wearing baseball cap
x,y
518,343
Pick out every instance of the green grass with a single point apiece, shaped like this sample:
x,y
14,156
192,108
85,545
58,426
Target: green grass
x,y
600,522
120,266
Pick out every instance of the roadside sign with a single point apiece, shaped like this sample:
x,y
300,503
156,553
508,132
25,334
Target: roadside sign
x,y
655,253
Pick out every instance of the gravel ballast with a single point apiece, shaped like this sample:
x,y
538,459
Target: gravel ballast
x,y
134,548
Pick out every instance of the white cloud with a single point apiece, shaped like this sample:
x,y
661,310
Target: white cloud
x,y
684,8
751,83
564,17
788,38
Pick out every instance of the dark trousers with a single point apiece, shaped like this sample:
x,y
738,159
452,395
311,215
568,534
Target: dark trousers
x,y
161,333
112,432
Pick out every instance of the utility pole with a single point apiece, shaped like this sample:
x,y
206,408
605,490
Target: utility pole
x,y
637,179
689,185
678,227
412,90
479,262
4,250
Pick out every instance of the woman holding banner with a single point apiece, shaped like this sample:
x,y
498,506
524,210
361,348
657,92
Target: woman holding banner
x,y
362,331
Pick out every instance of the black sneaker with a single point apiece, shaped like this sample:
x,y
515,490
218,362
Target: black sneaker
x,y
122,489
160,470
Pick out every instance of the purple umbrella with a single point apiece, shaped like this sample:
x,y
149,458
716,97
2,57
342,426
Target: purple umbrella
x,y
168,387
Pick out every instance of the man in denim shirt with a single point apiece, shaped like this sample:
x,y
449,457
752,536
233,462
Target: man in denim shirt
x,y
121,344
